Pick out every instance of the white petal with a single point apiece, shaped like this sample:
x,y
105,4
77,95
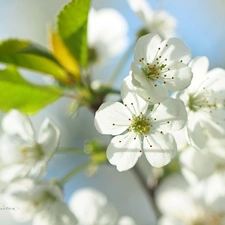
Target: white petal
x,y
173,199
169,115
58,214
10,147
125,220
86,204
124,151
17,195
214,123
199,67
180,138
147,47
159,149
169,220
106,41
174,50
108,216
195,131
163,24
16,123
153,92
49,135
178,77
194,161
112,118
10,172
214,78
214,192
142,9
129,95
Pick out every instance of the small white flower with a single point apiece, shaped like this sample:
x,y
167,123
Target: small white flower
x,y
21,154
184,204
91,207
140,128
39,201
160,66
193,162
159,22
204,100
105,42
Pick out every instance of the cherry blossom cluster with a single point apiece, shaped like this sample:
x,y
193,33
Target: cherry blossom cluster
x,y
171,105
24,160
147,115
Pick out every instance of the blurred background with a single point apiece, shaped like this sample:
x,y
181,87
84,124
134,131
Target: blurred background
x,y
200,25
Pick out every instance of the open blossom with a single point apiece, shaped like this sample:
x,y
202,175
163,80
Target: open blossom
x,y
103,41
160,66
139,129
204,100
159,22
193,162
182,204
21,153
39,201
91,207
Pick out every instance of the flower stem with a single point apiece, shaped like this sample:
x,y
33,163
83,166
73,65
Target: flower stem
x,y
73,172
121,64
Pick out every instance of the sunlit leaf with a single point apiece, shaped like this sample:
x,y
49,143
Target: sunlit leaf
x,y
27,55
19,94
72,27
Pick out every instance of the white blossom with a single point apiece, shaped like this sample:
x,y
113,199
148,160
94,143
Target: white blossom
x,y
204,100
160,66
159,22
182,204
139,129
39,201
107,34
21,153
193,161
91,207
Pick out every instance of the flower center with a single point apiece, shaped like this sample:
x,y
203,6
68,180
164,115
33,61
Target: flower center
x,y
44,197
201,101
154,71
140,124
32,153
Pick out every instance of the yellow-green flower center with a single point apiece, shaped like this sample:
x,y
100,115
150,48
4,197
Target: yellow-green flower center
x,y
156,70
31,153
200,101
140,124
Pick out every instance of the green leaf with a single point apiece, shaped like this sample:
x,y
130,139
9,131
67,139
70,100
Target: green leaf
x,y
72,27
27,55
17,93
